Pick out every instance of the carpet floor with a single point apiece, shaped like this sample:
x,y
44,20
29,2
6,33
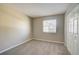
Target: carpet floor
x,y
36,47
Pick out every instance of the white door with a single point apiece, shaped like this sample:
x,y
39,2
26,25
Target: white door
x,y
75,40
73,31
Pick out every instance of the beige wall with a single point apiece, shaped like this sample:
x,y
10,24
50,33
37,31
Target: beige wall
x,y
38,29
15,27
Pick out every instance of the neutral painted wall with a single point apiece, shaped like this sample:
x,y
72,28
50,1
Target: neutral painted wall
x,y
15,27
70,40
38,29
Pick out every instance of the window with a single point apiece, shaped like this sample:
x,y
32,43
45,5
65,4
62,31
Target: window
x,y
49,26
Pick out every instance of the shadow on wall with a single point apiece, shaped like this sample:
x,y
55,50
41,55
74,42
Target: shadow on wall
x,y
14,27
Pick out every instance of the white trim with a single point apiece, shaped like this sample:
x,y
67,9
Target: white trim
x,y
14,46
48,40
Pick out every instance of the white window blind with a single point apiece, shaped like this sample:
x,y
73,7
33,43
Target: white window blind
x,y
49,26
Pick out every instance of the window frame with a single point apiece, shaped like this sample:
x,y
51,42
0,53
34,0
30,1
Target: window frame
x,y
54,28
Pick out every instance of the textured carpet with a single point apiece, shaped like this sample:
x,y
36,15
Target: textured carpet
x,y
36,47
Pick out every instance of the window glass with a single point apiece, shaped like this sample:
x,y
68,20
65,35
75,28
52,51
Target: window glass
x,y
49,26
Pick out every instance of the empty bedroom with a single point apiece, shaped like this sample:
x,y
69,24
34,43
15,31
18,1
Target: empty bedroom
x,y
39,28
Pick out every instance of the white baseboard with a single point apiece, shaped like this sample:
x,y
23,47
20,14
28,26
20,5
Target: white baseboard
x,y
68,49
14,46
48,40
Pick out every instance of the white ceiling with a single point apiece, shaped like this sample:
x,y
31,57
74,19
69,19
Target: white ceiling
x,y
41,9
